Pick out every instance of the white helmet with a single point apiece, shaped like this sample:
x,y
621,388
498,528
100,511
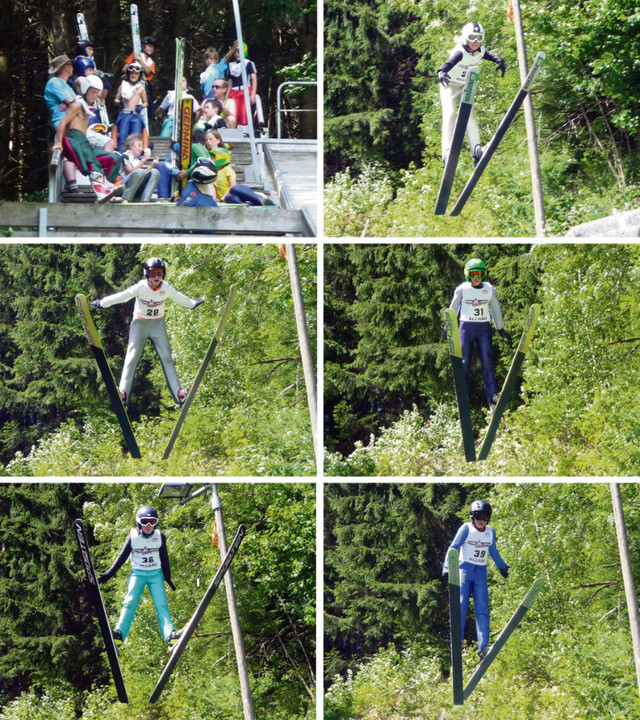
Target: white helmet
x,y
472,28
90,81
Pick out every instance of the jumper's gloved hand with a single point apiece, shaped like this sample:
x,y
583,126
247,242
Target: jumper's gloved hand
x,y
501,67
505,336
505,572
97,304
199,301
444,78
103,578
139,108
445,578
171,585
444,333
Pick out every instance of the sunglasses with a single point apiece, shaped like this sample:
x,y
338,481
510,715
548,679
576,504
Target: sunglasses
x,y
219,87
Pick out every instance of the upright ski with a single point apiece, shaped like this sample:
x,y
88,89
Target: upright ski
x,y
499,134
177,106
96,597
464,111
186,124
456,626
91,332
83,32
455,350
203,368
137,49
510,380
189,629
537,586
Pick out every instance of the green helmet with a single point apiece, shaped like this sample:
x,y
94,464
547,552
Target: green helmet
x,y
474,264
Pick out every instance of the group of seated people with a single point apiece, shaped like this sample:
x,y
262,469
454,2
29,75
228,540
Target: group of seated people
x,y
118,161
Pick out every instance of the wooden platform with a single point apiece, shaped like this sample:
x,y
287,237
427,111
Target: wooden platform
x,y
82,220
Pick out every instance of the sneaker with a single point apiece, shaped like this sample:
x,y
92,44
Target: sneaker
x,y
482,654
104,193
173,640
267,201
117,638
182,394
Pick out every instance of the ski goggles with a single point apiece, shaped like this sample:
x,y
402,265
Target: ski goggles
x,y
134,67
477,273
483,517
475,37
155,272
148,521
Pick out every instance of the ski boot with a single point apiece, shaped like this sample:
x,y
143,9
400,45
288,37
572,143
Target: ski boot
x,y
482,654
117,638
478,152
494,401
182,395
123,397
173,640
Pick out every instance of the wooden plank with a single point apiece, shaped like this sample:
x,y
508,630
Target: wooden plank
x,y
153,217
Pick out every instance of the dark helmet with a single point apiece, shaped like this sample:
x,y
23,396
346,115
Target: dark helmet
x,y
82,45
153,263
148,40
81,64
146,513
480,509
204,172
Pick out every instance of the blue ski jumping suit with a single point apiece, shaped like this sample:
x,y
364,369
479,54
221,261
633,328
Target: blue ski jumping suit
x,y
150,567
474,548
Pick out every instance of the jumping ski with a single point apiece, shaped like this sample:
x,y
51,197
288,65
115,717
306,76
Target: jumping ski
x,y
456,626
189,629
510,380
499,134
84,312
83,32
203,368
103,620
177,107
464,410
464,111
528,601
137,49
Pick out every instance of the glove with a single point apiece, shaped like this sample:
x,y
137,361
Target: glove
x,y
505,572
139,108
176,147
444,78
97,304
445,577
505,336
199,301
171,585
501,67
444,333
103,578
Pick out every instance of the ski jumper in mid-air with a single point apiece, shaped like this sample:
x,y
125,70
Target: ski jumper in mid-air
x,y
476,304
148,323
147,548
476,541
468,53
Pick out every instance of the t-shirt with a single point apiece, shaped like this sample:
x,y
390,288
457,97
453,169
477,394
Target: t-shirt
x,y
55,92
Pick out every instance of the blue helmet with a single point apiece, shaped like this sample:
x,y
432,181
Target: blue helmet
x,y
81,64
146,516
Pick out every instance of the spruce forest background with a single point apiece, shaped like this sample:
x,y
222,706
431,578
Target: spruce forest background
x,y
250,416
52,659
383,116
390,406
280,35
387,613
